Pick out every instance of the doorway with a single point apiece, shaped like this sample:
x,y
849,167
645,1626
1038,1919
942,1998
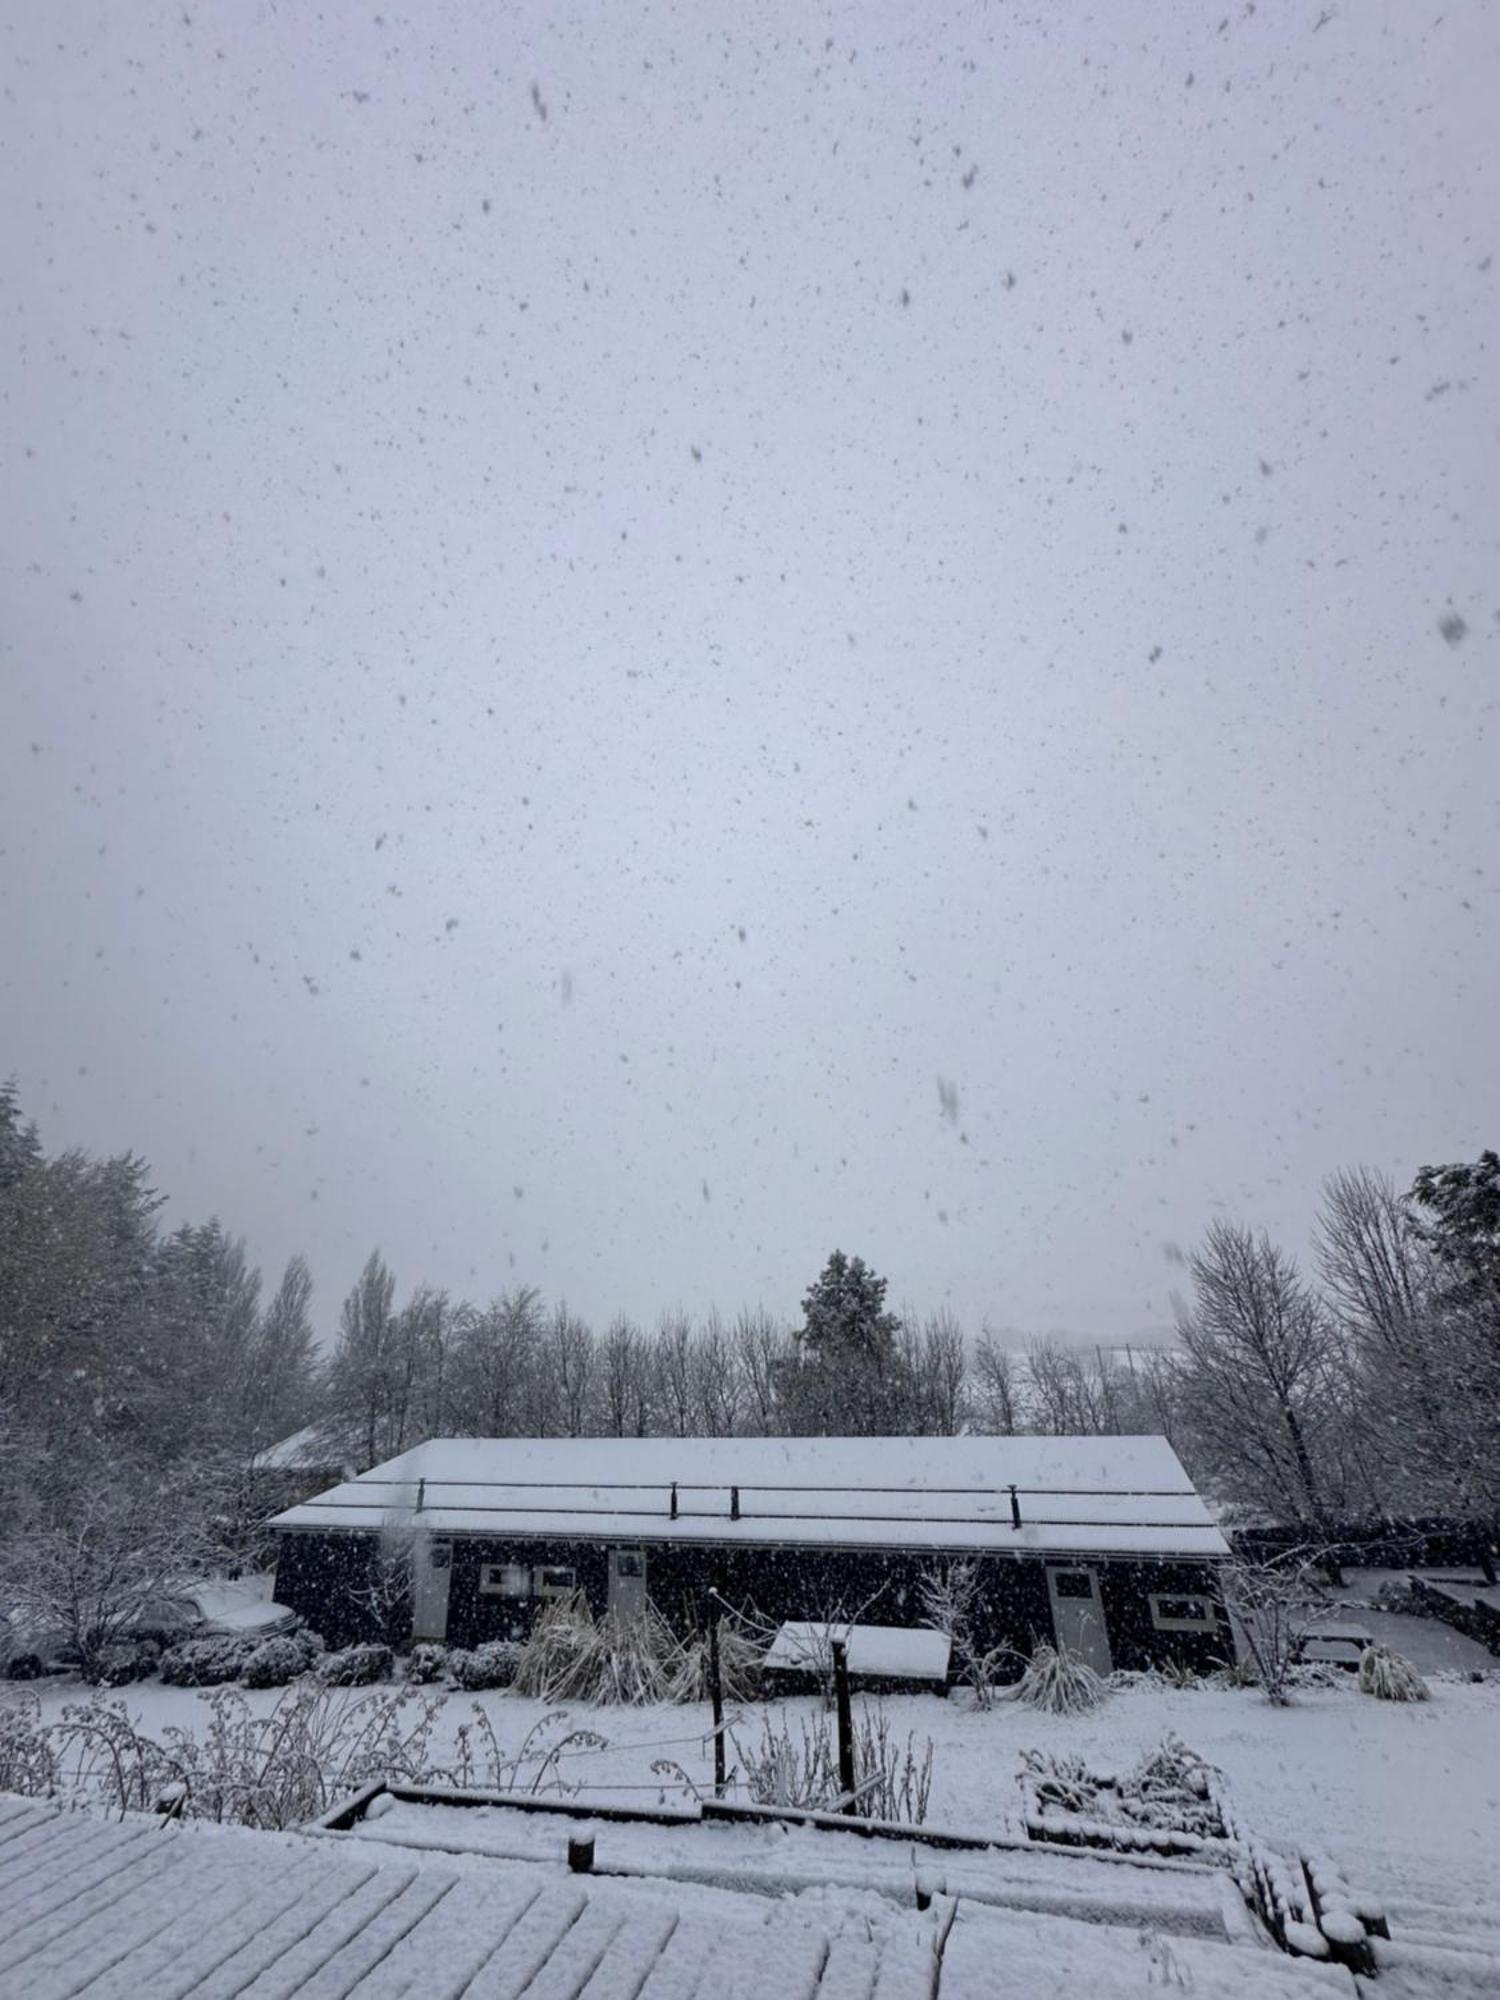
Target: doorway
x,y
432,1570
1078,1615
627,1582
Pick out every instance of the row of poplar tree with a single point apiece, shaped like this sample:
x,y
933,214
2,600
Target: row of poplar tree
x,y
1367,1386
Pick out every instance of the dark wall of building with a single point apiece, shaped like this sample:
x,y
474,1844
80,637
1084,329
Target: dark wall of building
x,y
1135,1641
319,1577
876,1586
316,1573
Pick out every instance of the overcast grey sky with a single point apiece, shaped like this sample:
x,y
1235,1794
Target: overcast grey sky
x,y
596,599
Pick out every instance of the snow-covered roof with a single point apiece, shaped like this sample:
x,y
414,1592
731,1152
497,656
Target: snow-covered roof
x,y
306,1450
1107,1495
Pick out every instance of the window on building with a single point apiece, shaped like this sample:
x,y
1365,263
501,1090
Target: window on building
x,y
1073,1583
504,1580
554,1582
629,1562
1182,1614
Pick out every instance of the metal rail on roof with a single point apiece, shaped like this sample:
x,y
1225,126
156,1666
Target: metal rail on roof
x,y
785,1520
787,1486
1006,1499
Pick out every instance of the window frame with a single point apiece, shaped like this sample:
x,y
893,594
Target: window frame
x,y
504,1575
1062,1577
542,1587
1163,1622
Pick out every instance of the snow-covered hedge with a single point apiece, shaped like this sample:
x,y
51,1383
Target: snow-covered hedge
x,y
492,1665
278,1661
131,1660
425,1663
356,1666
197,1663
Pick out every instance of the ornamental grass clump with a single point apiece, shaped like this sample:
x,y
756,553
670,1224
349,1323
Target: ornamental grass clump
x,y
1059,1684
740,1657
553,1662
574,1656
1388,1677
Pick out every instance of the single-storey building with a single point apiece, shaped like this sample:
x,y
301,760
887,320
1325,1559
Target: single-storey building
x,y
1098,1543
297,1467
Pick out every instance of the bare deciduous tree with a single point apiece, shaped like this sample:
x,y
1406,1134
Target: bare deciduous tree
x,y
86,1575
570,1350
1272,1605
672,1361
716,1380
624,1381
1260,1378
997,1389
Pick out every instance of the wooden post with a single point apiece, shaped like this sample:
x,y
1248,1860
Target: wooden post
x,y
846,1725
1015,1509
674,1499
581,1853
716,1696
421,1493
734,1503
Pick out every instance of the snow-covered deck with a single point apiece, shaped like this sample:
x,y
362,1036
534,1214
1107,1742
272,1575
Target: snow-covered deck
x,y
115,1909
1119,1495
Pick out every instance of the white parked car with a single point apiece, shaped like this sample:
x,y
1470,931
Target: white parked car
x,y
216,1608
208,1609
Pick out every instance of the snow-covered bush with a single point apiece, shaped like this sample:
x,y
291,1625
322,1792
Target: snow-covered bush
x,y
28,1753
425,1663
741,1651
1058,1683
491,1665
1273,1604
1173,1787
196,1663
274,1769
951,1596
94,1573
26,1667
277,1661
891,1781
1388,1677
356,1666
119,1665
1172,1802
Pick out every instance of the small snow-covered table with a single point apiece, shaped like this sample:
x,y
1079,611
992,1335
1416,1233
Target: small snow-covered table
x,y
874,1652
1336,1645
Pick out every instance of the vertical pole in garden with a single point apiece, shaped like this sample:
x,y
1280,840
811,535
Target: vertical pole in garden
x,y
716,1696
846,1724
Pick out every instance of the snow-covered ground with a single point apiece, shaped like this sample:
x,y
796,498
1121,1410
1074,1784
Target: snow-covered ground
x,y
1406,1799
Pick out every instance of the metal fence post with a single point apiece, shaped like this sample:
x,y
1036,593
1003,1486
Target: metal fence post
x,y
845,1724
716,1696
